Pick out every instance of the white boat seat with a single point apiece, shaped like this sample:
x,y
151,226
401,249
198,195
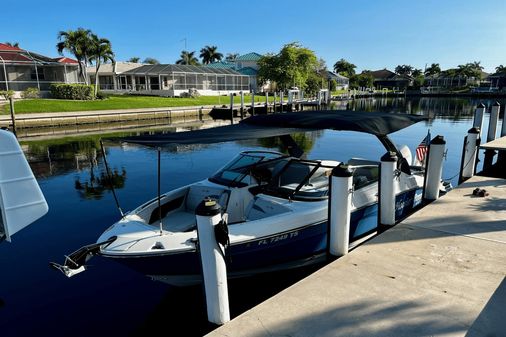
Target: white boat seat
x,y
179,221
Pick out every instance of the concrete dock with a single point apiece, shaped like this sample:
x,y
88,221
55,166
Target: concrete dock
x,y
441,272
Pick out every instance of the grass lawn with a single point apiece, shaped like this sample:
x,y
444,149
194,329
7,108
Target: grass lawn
x,y
120,102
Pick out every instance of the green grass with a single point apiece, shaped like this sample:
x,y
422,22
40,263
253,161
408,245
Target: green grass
x,y
120,102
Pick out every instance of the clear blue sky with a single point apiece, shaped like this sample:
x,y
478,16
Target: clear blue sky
x,y
372,34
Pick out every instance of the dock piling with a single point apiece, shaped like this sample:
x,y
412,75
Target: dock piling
x,y
478,116
253,103
434,168
214,269
491,134
341,184
232,108
13,115
386,191
469,154
242,104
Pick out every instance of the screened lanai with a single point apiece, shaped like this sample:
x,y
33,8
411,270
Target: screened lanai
x,y
173,79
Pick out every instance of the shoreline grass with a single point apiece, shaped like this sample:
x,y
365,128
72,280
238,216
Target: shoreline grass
x,y
121,102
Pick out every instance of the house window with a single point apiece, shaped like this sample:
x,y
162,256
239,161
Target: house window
x,y
40,72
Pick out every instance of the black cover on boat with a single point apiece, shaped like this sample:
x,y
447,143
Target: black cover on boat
x,y
262,126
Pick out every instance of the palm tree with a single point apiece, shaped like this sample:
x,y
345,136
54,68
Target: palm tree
x,y
231,56
13,44
134,59
434,69
500,69
78,43
188,58
210,55
416,72
151,60
101,53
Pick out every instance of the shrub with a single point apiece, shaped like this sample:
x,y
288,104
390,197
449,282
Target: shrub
x,y
31,93
102,95
72,91
7,94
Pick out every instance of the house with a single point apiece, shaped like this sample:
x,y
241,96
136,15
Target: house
x,y
21,69
246,64
342,82
385,78
497,80
168,79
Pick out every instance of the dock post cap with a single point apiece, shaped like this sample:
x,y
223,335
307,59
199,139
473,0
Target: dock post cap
x,y
342,170
208,207
389,156
475,129
481,105
438,140
496,104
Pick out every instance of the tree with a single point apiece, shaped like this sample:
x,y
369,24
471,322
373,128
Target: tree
x,y
188,58
416,72
364,80
209,54
434,69
405,70
231,56
101,52
78,43
151,60
292,66
344,68
134,59
471,69
13,44
500,69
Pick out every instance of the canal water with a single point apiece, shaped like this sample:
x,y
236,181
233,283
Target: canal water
x,y
111,300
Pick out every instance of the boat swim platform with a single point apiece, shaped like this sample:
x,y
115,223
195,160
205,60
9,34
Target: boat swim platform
x,y
441,272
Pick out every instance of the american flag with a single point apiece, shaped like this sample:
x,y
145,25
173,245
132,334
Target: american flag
x,y
421,150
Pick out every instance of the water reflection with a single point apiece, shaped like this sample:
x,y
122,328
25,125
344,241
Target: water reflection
x,y
94,186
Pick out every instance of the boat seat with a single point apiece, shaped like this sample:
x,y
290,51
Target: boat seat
x,y
179,221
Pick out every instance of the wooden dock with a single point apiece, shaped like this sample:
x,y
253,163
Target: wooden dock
x,y
441,272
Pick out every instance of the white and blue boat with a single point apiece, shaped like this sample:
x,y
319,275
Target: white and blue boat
x,y
277,204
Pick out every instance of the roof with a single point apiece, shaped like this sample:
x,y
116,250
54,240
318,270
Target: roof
x,y
248,57
20,56
334,76
496,75
4,46
66,60
248,71
221,65
262,126
121,67
157,69
385,74
13,57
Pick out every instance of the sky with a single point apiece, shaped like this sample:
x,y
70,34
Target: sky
x,y
372,34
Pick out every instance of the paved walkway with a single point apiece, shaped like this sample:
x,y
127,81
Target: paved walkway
x,y
439,273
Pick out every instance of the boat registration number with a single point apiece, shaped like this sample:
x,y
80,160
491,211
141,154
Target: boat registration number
x,y
278,238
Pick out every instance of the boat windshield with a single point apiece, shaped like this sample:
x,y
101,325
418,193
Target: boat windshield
x,y
301,179
249,164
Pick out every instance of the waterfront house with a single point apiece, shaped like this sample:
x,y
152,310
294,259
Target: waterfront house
x,y
342,82
385,78
246,64
171,80
21,69
497,80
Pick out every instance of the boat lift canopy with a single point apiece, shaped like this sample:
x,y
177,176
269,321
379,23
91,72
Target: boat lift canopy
x,y
379,124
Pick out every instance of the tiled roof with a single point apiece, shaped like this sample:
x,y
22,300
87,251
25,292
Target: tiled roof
x,y
66,60
4,46
221,65
13,57
248,57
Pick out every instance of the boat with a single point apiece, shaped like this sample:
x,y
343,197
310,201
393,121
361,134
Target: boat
x,y
276,204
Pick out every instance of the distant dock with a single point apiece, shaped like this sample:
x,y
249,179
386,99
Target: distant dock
x,y
441,272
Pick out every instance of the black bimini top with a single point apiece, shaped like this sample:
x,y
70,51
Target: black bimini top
x,y
262,126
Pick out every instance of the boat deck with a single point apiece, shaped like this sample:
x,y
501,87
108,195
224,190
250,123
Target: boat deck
x,y
441,272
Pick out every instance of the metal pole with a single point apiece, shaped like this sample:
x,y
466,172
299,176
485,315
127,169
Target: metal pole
x,y
110,179
159,193
5,74
13,116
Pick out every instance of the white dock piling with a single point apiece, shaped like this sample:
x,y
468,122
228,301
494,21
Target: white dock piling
x,y
232,108
494,118
387,189
478,116
341,182
214,269
242,104
434,168
469,154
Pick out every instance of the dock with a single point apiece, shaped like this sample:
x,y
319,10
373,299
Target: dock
x,y
440,272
